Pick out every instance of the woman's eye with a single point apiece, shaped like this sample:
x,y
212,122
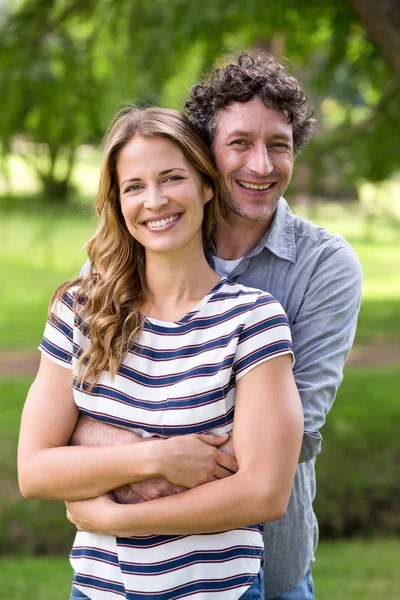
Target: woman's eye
x,y
133,188
173,178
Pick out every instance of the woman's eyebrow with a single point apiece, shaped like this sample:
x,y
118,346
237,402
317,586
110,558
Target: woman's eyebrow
x,y
173,169
136,179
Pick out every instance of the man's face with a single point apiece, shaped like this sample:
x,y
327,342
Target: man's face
x,y
253,151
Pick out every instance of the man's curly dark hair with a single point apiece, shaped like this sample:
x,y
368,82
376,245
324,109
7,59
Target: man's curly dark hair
x,y
249,75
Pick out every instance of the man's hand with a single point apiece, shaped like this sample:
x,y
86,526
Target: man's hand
x,y
90,432
192,460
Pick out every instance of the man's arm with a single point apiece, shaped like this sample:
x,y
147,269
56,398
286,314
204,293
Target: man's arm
x,y
323,334
90,432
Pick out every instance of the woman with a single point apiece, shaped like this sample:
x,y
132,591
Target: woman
x,y
159,343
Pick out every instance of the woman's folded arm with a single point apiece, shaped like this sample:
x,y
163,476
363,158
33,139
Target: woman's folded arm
x,y
268,428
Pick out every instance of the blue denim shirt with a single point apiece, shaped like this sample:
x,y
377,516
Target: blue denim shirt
x,y
317,278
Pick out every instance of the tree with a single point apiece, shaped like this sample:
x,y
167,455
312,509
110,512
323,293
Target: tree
x,y
67,66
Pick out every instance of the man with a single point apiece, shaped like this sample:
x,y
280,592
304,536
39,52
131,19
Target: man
x,y
255,119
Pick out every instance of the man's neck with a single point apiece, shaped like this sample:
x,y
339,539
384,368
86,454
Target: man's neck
x,y
239,237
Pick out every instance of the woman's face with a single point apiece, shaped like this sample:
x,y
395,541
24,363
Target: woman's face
x,y
162,195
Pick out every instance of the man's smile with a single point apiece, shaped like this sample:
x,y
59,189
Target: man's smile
x,y
254,186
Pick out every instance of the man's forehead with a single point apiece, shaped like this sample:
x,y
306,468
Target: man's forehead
x,y
250,117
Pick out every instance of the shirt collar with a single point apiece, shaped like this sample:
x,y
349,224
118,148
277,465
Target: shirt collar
x,y
279,239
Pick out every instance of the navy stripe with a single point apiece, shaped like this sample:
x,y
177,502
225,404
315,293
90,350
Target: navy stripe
x,y
55,351
178,402
156,355
205,556
201,427
261,326
167,380
195,587
150,541
61,326
99,583
96,553
262,353
202,322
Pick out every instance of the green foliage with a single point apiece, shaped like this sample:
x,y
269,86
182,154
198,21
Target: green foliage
x,y
67,66
358,486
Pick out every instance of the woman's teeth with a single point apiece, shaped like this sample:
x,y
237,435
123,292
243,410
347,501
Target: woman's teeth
x,y
253,186
161,222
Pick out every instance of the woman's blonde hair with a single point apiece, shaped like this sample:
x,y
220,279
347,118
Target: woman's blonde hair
x,y
110,297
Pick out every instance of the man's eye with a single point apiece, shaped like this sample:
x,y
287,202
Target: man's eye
x,y
279,145
239,142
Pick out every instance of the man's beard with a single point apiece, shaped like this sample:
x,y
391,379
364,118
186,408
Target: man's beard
x,y
238,209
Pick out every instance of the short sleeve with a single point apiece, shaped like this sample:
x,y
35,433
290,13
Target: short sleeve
x,y
57,343
265,335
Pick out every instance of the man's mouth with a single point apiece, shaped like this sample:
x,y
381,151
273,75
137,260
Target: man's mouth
x,y
158,223
254,186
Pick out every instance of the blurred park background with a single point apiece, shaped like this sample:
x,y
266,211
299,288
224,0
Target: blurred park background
x,y
66,66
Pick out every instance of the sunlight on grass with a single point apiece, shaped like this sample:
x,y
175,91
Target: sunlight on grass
x,y
348,570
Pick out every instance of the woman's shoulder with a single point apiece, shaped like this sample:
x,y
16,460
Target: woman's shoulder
x,y
254,301
249,294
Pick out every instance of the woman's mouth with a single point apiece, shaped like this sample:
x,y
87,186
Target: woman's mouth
x,y
161,223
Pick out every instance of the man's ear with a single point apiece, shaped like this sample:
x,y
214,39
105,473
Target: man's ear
x,y
207,193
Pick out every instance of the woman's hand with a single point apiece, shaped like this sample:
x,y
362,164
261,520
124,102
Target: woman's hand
x,y
191,460
93,515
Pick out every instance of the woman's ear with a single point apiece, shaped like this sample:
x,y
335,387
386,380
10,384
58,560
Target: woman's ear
x,y
208,193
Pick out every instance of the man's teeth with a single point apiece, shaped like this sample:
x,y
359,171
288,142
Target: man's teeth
x,y
253,186
161,222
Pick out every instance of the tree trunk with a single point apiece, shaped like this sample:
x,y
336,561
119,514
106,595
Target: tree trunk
x,y
381,19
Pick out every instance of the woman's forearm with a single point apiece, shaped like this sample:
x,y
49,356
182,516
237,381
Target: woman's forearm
x,y
233,502
76,473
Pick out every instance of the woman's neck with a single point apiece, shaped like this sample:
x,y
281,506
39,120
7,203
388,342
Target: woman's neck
x,y
176,283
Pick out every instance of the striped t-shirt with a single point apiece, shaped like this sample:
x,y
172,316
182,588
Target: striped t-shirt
x,y
178,379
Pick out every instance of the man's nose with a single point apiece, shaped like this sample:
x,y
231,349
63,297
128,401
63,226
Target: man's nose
x,y
155,198
259,161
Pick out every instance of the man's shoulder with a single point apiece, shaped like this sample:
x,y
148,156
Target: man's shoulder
x,y
316,234
310,237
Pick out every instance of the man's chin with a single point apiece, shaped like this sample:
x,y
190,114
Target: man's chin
x,y
253,213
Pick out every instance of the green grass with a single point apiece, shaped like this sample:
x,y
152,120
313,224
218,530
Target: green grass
x,y
24,526
37,253
351,570
40,249
357,474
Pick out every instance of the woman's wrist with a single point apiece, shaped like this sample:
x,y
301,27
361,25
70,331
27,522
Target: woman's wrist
x,y
149,458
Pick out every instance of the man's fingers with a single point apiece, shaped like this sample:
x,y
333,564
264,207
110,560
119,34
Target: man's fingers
x,y
227,462
221,473
213,440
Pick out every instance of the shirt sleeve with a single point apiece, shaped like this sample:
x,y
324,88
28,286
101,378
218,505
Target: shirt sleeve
x,y
57,343
323,333
265,335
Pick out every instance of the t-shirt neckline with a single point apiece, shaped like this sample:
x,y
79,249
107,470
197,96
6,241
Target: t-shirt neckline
x,y
193,311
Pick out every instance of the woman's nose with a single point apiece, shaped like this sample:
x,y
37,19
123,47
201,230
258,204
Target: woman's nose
x,y
155,198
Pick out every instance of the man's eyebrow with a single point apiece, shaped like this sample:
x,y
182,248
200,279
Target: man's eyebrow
x,y
136,179
239,133
248,133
